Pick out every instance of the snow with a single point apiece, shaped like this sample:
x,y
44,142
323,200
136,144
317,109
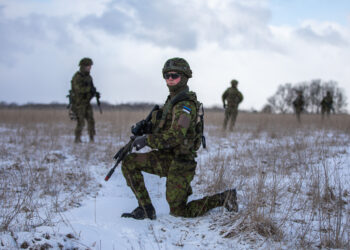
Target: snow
x,y
98,221
252,163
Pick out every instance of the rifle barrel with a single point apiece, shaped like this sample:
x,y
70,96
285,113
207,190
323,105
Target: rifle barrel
x,y
110,173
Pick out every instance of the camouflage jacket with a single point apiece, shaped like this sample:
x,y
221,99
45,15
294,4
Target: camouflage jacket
x,y
299,103
174,126
83,89
327,102
233,97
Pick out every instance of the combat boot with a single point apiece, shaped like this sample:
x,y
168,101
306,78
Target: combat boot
x,y
92,139
142,212
229,198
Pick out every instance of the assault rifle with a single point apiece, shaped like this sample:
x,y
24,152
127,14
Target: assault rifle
x,y
140,128
70,99
98,102
97,95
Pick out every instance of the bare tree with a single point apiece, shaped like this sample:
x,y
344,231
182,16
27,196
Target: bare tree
x,y
313,92
281,101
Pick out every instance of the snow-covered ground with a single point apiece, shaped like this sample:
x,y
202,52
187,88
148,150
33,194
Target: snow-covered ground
x,y
293,192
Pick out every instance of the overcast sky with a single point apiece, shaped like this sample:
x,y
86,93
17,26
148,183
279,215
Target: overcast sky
x,y
262,43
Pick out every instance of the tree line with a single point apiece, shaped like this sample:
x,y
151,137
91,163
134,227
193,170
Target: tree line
x,y
313,91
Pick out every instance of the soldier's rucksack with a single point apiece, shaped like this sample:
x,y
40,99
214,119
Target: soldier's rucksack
x,y
200,138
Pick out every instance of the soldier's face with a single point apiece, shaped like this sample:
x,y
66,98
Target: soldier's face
x,y
170,81
87,68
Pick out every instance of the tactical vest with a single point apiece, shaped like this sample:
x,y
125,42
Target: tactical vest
x,y
233,97
195,135
84,81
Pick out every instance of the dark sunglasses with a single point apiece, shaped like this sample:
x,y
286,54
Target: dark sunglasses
x,y
173,76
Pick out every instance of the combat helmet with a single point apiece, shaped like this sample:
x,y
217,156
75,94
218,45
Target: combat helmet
x,y
86,62
179,65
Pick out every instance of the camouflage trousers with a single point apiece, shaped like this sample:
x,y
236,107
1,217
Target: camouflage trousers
x,y
325,110
298,114
179,174
84,112
230,114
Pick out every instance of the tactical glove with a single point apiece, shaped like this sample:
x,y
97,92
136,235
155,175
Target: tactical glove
x,y
98,95
139,142
224,105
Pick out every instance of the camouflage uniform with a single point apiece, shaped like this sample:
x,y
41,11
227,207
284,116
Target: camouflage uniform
x,y
234,97
298,104
174,145
83,91
327,104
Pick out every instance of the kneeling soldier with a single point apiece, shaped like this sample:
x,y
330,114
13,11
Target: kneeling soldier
x,y
175,138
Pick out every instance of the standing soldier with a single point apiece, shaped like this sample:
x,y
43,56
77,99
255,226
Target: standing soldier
x,y
83,90
327,104
174,140
234,97
298,104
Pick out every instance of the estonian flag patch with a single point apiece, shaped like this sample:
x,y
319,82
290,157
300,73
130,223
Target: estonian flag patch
x,y
186,109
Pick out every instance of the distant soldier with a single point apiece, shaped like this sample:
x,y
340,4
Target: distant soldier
x,y
233,97
83,90
327,104
299,104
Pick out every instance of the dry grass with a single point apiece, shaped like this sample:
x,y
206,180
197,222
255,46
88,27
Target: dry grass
x,y
289,175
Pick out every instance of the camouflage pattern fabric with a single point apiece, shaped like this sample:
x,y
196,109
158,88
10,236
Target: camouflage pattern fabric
x,y
298,104
326,105
173,157
233,97
175,130
179,65
179,173
83,91
230,115
85,113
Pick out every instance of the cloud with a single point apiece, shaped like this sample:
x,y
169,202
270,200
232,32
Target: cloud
x,y
129,42
322,33
18,36
76,9
22,35
157,22
185,24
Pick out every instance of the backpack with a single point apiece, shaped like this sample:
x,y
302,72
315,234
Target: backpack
x,y
199,138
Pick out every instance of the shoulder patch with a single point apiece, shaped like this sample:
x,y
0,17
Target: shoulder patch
x,y
184,121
